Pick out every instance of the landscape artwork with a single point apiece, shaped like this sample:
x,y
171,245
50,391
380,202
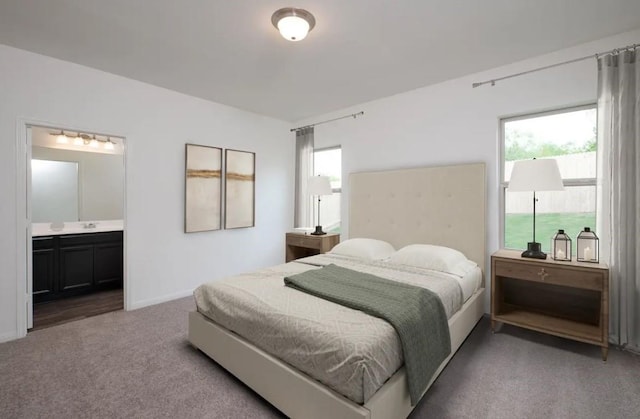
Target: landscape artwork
x,y
239,189
203,188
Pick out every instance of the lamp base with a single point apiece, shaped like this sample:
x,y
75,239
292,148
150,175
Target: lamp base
x,y
319,232
534,251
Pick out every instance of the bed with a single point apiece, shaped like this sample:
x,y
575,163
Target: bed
x,y
438,205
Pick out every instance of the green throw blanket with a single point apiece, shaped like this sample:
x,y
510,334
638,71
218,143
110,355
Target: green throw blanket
x,y
416,313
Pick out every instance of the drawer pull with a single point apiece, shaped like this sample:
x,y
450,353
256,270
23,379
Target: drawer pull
x,y
543,274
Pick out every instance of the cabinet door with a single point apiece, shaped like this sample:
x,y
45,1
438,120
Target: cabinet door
x,y
76,268
107,268
43,274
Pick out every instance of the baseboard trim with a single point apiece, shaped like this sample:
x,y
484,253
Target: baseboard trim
x,y
153,301
6,337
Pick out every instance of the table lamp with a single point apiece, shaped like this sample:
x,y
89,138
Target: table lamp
x,y
535,175
318,186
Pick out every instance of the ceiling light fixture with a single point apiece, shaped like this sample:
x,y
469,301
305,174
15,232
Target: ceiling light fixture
x,y
293,24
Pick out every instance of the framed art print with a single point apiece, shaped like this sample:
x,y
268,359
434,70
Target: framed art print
x,y
240,168
203,188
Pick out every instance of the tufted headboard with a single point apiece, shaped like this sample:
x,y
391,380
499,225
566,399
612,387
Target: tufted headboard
x,y
442,205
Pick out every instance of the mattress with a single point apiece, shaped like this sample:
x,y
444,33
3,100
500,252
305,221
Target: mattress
x,y
345,349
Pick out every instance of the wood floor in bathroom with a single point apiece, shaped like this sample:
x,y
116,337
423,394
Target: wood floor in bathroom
x,y
75,308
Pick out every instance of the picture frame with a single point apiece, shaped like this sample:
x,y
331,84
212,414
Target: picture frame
x,y
240,175
203,188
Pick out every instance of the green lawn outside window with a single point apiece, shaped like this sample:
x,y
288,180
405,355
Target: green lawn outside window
x,y
518,228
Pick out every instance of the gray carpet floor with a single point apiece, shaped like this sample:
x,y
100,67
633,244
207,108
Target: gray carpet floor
x,y
139,364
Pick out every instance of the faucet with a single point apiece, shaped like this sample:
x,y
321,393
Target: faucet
x,y
90,225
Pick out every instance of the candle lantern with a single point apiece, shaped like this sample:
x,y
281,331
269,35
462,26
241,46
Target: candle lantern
x,y
561,246
587,246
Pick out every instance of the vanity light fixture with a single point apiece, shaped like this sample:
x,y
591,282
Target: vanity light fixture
x,y
82,139
293,24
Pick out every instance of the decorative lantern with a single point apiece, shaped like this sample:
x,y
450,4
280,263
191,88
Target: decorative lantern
x,y
587,246
561,246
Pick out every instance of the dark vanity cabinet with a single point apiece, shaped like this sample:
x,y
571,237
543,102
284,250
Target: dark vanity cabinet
x,y
44,268
75,264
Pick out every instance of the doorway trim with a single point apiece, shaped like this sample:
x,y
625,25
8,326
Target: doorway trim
x,y
23,216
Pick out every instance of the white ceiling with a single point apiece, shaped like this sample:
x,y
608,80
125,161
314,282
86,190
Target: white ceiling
x,y
228,51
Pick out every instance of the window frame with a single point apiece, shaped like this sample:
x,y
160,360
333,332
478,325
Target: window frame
x,y
503,184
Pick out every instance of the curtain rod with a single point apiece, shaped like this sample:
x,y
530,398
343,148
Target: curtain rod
x,y
575,60
353,115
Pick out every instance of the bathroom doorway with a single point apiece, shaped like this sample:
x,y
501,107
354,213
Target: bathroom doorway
x,y
75,191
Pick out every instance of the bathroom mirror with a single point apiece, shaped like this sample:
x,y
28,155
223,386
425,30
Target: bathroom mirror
x,y
54,191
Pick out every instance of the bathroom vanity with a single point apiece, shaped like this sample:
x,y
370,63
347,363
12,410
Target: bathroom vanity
x,y
76,260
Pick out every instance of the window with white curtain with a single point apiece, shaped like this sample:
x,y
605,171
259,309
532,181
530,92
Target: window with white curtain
x,y
328,162
570,137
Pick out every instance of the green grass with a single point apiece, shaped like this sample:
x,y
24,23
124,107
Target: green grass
x,y
518,228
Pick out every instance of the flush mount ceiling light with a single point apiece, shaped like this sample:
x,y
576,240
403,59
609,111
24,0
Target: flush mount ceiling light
x,y
293,24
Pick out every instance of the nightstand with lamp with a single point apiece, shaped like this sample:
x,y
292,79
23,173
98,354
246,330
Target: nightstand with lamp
x,y
558,296
318,241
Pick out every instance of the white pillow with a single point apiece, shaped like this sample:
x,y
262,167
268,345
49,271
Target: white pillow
x,y
436,258
370,249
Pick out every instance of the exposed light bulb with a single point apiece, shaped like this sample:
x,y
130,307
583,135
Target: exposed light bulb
x,y
78,140
94,143
109,145
62,139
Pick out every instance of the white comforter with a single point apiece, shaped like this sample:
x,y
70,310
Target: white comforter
x,y
345,349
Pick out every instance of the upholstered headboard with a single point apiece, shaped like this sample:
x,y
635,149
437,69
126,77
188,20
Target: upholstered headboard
x,y
442,205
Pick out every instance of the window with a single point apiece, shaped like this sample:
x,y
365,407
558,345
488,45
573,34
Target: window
x,y
569,136
328,162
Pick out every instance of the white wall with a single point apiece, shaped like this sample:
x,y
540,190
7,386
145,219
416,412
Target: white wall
x,y
452,123
163,262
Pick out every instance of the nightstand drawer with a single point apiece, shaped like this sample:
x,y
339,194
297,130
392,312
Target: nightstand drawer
x,y
550,274
303,241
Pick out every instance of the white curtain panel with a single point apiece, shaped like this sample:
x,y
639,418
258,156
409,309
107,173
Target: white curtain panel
x,y
619,190
304,170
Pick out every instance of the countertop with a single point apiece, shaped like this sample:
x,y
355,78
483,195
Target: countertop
x,y
101,226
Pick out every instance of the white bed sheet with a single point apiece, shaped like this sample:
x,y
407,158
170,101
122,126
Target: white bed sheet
x,y
470,283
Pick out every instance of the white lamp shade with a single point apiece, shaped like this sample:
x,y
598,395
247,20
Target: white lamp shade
x,y
319,185
535,175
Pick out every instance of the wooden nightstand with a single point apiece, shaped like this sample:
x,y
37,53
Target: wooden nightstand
x,y
566,299
303,245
